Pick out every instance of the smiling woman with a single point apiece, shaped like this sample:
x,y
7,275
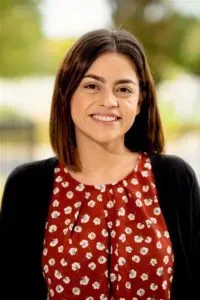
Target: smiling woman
x,y
111,216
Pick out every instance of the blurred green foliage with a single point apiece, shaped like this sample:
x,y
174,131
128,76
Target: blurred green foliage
x,y
24,49
171,40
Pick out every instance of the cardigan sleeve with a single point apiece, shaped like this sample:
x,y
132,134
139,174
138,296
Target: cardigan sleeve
x,y
196,236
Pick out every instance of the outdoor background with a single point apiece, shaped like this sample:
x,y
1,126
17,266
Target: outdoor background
x,y
36,34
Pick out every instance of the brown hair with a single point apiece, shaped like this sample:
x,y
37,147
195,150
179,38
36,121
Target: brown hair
x,y
146,133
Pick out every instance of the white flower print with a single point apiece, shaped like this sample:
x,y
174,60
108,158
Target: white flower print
x,y
96,285
102,259
60,249
55,214
67,221
66,280
49,281
100,246
148,239
105,213
144,250
129,249
120,190
132,274
46,268
110,224
170,278
92,235
52,228
59,289
97,221
89,298
166,234
56,190
56,170
88,255
92,266
113,277
145,173
65,184
169,250
153,261
91,203
87,195
136,258
158,233
106,273
121,261
77,228
134,181
148,202
128,230
125,199
99,197
77,204
68,210
76,266
104,232
153,286
147,165
138,203
144,276
58,179
103,297
140,225
166,259
148,223
54,242
128,285
138,238
164,284
138,194
73,251
117,223
52,262
145,188
76,291
84,280
70,195
157,211
140,292
159,271
63,262
56,203
57,274
113,233
84,243
85,218
80,187
153,220
110,204
125,183
51,292
65,231
121,211
158,245
122,237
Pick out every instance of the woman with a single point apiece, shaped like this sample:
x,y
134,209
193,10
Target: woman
x,y
110,217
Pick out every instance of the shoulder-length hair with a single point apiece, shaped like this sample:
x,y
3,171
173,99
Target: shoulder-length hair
x,y
146,133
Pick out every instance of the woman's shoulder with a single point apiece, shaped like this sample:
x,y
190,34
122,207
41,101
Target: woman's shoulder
x,y
173,165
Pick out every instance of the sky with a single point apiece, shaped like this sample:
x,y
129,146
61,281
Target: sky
x,y
65,18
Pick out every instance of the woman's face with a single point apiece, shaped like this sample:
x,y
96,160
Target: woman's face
x,y
106,102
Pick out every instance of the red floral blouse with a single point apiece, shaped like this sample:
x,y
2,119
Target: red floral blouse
x,y
107,241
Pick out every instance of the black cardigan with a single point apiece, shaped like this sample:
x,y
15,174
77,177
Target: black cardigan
x,y
24,211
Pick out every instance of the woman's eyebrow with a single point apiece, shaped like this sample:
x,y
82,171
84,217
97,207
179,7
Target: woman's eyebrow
x,y
101,79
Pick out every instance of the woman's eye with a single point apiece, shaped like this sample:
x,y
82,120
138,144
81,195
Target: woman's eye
x,y
124,90
91,86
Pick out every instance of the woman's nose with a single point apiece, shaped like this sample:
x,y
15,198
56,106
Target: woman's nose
x,y
109,99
